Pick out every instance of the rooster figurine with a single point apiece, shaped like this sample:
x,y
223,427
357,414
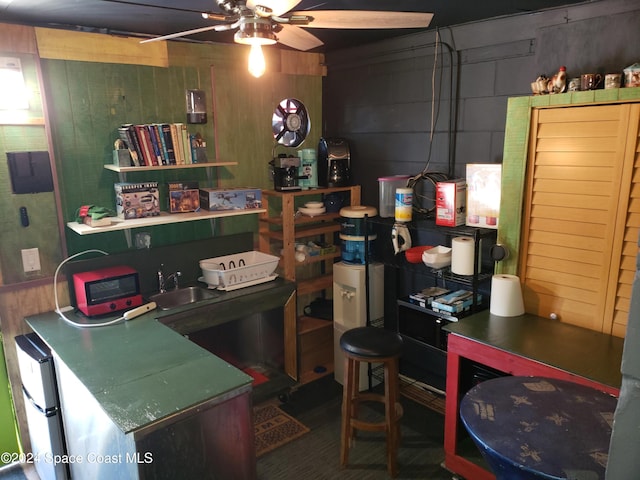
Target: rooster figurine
x,y
558,83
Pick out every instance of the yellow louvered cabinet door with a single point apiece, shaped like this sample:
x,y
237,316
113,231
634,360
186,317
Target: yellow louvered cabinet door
x,y
626,250
578,182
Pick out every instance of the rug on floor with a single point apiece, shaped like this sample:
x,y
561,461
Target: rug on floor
x,y
274,428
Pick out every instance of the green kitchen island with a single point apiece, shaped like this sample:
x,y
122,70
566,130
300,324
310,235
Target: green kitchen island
x,y
139,400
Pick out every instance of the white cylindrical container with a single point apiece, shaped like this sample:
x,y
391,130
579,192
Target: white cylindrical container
x,y
309,167
404,204
506,296
462,253
387,193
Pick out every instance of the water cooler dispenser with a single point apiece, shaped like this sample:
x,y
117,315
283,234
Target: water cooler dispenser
x,y
349,308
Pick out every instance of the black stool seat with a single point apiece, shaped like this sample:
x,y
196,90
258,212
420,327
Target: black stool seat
x,y
371,342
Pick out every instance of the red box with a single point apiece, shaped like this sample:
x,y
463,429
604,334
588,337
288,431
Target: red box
x,y
451,197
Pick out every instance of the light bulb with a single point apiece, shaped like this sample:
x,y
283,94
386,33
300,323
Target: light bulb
x,y
257,64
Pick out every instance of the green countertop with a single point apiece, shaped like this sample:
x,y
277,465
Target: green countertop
x,y
142,371
584,352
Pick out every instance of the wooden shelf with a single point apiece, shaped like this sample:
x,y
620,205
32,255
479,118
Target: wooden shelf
x,y
315,284
303,232
315,342
313,338
162,219
303,219
119,169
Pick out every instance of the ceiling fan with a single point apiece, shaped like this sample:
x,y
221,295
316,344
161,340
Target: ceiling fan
x,y
265,22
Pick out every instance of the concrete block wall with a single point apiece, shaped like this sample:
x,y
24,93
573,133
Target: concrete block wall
x,y
385,97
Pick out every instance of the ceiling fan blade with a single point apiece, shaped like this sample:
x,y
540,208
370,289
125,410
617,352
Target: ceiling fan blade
x,y
278,7
296,37
366,19
182,34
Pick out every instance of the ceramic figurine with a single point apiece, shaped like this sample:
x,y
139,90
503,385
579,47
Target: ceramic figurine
x,y
539,87
558,83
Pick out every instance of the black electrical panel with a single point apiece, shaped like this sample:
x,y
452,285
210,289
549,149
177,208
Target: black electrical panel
x,y
30,172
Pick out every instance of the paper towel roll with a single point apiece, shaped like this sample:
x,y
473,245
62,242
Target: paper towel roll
x,y
506,296
462,249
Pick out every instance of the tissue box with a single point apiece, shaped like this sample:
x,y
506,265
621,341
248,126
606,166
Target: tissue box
x,y
450,203
230,199
137,200
454,302
184,197
483,194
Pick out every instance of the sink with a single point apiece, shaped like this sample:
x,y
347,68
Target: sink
x,y
180,297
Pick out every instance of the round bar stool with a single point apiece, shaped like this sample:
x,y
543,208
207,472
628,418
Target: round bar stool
x,y
371,345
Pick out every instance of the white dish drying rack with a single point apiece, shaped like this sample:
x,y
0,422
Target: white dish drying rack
x,y
239,270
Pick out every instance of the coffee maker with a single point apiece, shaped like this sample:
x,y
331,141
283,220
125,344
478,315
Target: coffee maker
x,y
334,162
285,173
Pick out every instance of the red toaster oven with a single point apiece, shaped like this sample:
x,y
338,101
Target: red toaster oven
x,y
107,290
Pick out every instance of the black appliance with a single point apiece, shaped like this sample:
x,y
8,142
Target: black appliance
x,y
285,173
334,162
425,344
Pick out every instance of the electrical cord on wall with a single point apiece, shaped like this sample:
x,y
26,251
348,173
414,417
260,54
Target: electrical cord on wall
x,y
60,311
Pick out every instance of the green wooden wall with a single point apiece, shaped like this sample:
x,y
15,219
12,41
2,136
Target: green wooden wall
x,y
88,101
42,232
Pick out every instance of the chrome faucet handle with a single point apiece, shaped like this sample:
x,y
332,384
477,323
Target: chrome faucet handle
x,y
161,288
175,277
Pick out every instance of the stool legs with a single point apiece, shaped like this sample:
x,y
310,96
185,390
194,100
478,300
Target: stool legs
x,y
351,382
391,414
351,398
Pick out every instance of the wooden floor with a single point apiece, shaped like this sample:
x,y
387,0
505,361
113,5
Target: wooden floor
x,y
316,455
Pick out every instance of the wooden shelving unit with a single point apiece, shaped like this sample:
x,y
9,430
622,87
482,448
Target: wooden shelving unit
x,y
279,230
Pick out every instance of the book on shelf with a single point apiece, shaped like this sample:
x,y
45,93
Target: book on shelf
x,y
186,147
168,142
155,145
176,135
127,135
145,145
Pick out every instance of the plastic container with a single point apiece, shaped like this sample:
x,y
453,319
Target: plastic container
x,y
353,249
308,167
387,187
404,204
353,222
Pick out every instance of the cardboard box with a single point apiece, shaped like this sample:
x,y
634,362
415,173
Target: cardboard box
x,y
454,302
426,297
137,200
450,203
483,194
230,199
184,197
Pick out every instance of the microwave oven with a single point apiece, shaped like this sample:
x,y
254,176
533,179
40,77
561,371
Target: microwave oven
x,y
107,290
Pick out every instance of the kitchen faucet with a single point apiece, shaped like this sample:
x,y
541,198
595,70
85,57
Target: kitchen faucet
x,y
162,281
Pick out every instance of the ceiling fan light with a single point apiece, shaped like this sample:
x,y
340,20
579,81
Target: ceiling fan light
x,y
257,64
255,32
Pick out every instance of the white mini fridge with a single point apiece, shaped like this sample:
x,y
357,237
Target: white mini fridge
x,y
349,309
44,417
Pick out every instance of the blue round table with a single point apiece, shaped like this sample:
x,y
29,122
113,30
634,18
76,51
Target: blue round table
x,y
540,428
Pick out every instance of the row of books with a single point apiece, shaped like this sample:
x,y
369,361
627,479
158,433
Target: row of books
x,y
157,144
